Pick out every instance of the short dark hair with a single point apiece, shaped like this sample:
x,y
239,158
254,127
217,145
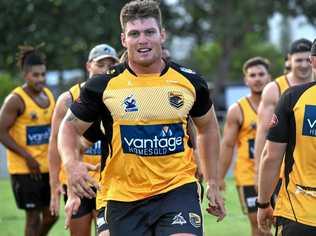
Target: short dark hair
x,y
140,9
29,56
300,45
313,50
255,61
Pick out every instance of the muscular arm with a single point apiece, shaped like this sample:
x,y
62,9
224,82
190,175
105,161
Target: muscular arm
x,y
270,97
231,129
10,110
269,169
54,159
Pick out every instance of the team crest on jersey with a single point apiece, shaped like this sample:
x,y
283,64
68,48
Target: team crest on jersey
x,y
309,123
178,219
187,70
195,220
33,115
253,125
130,104
176,99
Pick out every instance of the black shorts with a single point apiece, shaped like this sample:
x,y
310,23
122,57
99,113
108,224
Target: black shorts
x,y
293,228
86,207
247,196
30,193
177,211
102,225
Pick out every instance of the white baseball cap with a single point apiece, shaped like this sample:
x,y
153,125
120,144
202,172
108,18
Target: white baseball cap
x,y
102,51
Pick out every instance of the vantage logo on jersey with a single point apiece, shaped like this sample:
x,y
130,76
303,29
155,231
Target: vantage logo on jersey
x,y
37,135
309,122
152,140
95,149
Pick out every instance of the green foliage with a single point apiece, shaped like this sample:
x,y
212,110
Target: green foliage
x,y
7,85
205,58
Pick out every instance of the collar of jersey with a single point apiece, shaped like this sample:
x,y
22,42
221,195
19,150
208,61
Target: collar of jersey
x,y
165,69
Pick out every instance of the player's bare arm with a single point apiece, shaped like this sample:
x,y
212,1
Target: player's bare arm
x,y
54,160
232,125
269,172
208,145
10,110
269,99
69,146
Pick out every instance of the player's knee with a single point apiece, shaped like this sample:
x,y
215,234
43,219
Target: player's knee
x,y
49,220
33,218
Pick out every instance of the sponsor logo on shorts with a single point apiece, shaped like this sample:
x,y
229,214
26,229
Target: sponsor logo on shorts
x,y
152,140
129,104
95,149
195,220
37,135
309,122
178,219
251,201
100,221
30,205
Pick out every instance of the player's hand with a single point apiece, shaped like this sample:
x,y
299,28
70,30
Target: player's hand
x,y
79,180
216,202
34,168
92,167
71,207
54,205
265,219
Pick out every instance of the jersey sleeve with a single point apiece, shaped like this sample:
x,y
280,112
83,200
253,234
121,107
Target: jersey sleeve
x,y
203,101
280,123
89,105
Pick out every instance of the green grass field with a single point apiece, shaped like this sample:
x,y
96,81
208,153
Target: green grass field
x,y
235,223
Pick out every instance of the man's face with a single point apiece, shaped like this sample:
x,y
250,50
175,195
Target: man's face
x,y
35,77
100,66
313,62
143,40
301,66
256,78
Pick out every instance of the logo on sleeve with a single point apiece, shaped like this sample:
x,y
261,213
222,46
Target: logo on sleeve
x,y
178,219
176,99
152,140
309,122
129,104
187,70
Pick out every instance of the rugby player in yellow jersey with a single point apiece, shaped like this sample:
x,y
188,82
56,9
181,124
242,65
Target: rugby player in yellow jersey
x,y
291,138
240,131
101,57
301,72
146,102
25,119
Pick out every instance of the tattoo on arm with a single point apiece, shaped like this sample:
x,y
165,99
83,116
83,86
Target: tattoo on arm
x,y
71,118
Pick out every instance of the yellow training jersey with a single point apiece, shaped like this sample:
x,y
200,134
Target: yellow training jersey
x,y
146,121
92,155
296,125
245,166
31,131
283,84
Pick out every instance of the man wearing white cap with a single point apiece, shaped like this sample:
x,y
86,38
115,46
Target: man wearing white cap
x,y
100,58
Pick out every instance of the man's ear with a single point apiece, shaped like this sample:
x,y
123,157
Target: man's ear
x,y
163,35
123,42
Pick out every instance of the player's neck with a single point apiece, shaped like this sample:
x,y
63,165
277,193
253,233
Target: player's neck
x,y
293,80
154,68
255,99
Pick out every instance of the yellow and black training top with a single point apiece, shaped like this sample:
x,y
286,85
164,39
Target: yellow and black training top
x,y
245,167
283,84
295,121
31,131
145,118
93,154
